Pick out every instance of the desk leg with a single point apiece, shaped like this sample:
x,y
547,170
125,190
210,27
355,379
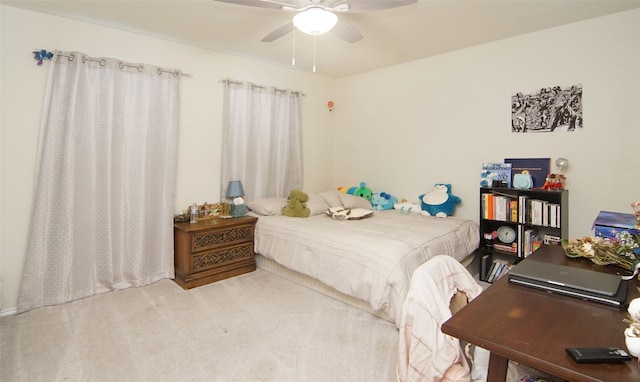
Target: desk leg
x,y
497,368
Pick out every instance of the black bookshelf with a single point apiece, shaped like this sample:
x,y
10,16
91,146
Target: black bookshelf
x,y
530,217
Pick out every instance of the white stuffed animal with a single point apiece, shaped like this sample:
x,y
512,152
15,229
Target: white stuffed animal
x,y
407,207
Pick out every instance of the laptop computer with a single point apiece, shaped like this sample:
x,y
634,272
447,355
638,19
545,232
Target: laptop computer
x,y
581,283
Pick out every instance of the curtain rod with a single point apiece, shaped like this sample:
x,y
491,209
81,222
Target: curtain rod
x,y
236,82
121,64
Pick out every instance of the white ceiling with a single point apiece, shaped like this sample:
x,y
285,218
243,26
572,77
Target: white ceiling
x,y
393,36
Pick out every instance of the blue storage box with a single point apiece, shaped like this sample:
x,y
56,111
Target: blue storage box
x,y
609,224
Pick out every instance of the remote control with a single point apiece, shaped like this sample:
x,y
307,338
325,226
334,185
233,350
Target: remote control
x,y
598,354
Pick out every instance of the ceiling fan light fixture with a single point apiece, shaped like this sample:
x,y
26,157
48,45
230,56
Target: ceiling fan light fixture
x,y
315,21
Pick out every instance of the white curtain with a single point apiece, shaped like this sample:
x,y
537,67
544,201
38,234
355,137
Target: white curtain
x,y
262,140
105,180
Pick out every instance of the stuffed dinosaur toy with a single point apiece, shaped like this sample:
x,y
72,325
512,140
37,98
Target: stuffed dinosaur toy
x,y
440,202
383,201
297,205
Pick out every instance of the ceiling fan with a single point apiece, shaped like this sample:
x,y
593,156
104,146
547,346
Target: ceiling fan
x,y
326,8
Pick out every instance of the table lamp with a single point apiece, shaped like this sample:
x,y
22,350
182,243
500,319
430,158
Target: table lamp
x,y
235,192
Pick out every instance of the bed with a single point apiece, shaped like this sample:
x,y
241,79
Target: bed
x,y
367,263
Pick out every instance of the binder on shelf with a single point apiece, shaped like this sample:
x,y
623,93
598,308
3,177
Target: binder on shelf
x,y
485,266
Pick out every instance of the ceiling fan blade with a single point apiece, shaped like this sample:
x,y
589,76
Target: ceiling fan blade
x,y
259,3
276,34
346,31
359,6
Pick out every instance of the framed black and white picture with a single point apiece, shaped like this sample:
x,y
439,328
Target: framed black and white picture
x,y
547,110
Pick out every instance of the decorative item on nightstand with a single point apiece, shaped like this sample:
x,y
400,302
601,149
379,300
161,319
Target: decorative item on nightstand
x,y
236,192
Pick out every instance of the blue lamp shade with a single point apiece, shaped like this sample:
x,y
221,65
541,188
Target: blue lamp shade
x,y
235,189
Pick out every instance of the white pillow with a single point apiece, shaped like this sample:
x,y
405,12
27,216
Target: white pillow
x,y
353,201
331,197
267,206
316,204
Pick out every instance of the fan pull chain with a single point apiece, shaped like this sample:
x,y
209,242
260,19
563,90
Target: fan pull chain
x,y
293,54
314,53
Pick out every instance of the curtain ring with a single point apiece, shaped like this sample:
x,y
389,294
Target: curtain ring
x,y
121,65
159,71
84,59
140,68
103,62
71,57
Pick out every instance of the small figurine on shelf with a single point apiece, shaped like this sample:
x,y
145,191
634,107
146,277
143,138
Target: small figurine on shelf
x,y
554,182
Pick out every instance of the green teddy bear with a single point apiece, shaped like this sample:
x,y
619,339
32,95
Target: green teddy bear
x,y
296,205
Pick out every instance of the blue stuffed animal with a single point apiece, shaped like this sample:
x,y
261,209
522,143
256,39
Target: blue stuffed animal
x,y
440,202
383,201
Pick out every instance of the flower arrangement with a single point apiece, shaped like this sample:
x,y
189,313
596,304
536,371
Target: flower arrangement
x,y
623,250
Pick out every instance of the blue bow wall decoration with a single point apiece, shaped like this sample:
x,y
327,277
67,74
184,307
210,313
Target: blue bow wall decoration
x,y
42,55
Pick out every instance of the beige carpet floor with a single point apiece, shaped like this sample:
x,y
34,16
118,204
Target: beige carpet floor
x,y
254,327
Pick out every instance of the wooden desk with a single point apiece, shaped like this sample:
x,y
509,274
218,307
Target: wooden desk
x,y
534,327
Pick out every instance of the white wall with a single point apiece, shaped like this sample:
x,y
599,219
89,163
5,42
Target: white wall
x,y
399,129
404,128
200,132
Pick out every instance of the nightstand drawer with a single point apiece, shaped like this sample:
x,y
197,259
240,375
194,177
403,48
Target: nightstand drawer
x,y
227,255
201,241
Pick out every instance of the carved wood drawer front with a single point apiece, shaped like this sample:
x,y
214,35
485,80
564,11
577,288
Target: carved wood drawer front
x,y
212,239
214,258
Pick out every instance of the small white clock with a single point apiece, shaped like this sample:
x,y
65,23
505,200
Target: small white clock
x,y
506,234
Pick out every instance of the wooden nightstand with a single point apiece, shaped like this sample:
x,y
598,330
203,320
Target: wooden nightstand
x,y
213,250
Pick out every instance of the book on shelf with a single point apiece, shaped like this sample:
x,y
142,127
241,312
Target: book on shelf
x,y
492,271
530,236
513,209
535,245
487,206
485,266
511,248
499,207
491,172
520,241
538,212
522,208
504,269
498,269
554,215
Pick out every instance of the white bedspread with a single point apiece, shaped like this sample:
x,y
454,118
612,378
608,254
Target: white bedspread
x,y
370,259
